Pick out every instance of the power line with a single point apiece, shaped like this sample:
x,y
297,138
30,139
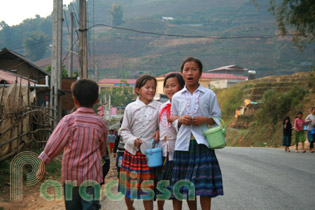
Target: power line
x,y
186,36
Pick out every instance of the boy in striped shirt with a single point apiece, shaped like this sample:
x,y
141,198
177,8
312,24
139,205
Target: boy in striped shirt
x,y
82,136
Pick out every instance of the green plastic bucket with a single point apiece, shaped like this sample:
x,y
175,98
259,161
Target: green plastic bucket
x,y
216,136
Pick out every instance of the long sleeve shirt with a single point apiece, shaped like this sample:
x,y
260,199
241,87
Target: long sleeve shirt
x,y
167,134
310,124
203,102
82,137
140,121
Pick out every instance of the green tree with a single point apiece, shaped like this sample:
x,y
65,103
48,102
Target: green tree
x,y
120,96
117,15
296,15
35,45
64,70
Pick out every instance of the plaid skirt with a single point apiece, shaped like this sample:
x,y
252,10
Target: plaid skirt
x,y
136,180
196,173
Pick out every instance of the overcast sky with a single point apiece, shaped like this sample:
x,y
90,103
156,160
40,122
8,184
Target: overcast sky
x,y
14,12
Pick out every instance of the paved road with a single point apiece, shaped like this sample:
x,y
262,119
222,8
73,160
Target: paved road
x,y
258,178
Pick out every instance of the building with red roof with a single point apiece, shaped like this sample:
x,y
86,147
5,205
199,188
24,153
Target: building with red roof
x,y
207,80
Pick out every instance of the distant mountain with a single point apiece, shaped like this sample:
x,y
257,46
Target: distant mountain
x,y
131,51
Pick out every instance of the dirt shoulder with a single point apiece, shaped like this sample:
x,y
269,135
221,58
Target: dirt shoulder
x,y
33,200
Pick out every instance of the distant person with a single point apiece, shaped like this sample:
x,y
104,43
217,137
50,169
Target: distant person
x,y
82,137
111,140
310,121
299,131
119,149
287,133
139,126
172,84
194,161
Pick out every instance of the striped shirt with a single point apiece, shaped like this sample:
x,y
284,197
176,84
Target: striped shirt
x,y
82,137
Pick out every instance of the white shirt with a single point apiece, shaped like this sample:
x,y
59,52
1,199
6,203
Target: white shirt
x,y
310,124
167,134
203,102
140,121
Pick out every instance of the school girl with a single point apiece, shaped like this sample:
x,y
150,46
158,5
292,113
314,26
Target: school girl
x,y
139,126
172,84
193,161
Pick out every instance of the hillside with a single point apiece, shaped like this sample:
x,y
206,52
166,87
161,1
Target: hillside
x,y
125,53
261,123
135,53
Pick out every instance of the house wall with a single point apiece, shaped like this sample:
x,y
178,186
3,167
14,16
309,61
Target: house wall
x,y
22,68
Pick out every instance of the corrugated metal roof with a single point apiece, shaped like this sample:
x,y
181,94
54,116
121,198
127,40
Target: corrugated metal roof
x,y
7,51
10,78
213,76
116,81
229,68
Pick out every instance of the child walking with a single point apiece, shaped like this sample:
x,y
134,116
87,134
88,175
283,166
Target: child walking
x,y
299,132
172,84
82,137
310,121
193,161
287,133
139,126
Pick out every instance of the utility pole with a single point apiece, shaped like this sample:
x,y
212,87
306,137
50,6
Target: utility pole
x,y
83,70
71,46
56,61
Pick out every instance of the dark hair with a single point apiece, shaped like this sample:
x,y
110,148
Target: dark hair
x,y
142,80
313,108
286,118
191,59
299,113
179,78
85,91
121,120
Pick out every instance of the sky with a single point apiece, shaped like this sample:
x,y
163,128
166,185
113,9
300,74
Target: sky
x,y
14,12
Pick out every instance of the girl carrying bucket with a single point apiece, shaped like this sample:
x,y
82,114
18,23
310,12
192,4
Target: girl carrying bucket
x,y
195,166
140,124
172,84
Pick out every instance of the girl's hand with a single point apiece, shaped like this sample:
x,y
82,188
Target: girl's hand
x,y
186,120
171,119
202,120
199,120
138,143
41,171
156,136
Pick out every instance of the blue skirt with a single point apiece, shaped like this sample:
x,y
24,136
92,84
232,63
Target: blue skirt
x,y
196,172
286,141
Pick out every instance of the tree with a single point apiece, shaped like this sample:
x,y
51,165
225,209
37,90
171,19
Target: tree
x,y
120,96
296,15
35,45
117,15
64,71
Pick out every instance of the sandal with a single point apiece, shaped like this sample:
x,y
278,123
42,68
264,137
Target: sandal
x,y
303,151
296,151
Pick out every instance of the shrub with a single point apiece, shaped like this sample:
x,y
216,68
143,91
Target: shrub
x,y
276,105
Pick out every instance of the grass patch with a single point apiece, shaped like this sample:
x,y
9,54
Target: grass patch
x,y
230,99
